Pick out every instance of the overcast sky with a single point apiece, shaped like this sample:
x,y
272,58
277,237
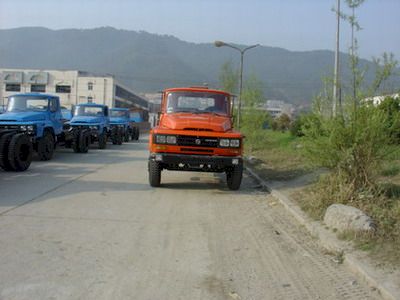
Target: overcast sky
x,y
291,24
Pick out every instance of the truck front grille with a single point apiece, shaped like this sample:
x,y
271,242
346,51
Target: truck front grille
x,y
14,127
197,150
196,141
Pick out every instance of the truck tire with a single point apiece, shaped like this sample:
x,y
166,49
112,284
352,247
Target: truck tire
x,y
103,140
137,133
120,136
154,173
134,133
114,135
4,145
84,141
75,141
126,136
234,177
20,152
45,146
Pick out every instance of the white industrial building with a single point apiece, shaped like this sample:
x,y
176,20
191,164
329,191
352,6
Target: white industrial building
x,y
72,86
277,107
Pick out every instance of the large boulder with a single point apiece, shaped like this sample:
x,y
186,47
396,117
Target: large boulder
x,y
345,218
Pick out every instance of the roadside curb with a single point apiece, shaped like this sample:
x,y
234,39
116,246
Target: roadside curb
x,y
329,241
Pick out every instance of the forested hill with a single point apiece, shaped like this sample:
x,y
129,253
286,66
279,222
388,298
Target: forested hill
x,y
149,62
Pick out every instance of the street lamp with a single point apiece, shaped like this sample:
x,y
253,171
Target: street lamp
x,y
242,51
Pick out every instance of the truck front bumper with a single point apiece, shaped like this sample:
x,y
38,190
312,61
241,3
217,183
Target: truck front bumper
x,y
200,163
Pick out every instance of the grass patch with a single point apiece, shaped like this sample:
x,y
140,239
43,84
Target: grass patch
x,y
381,204
279,155
391,171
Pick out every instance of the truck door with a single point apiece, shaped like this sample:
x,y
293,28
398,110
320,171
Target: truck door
x,y
55,115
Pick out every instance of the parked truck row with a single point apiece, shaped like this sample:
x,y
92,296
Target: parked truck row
x,y
35,122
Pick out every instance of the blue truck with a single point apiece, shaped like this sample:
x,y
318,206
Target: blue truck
x,y
120,121
90,123
31,122
135,119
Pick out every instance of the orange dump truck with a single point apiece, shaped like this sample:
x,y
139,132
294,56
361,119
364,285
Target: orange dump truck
x,y
195,133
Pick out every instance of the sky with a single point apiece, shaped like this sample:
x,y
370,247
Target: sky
x,y
296,25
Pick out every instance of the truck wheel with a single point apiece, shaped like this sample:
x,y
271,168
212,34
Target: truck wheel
x,y
20,152
234,177
126,136
75,141
120,137
103,140
45,146
114,135
4,145
84,141
134,133
137,132
154,173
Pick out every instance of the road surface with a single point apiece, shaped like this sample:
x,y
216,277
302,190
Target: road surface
x,y
88,226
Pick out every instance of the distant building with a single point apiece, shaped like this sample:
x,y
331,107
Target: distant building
x,y
378,99
154,107
278,107
72,86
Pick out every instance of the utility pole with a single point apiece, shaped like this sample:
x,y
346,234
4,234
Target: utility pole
x,y
336,71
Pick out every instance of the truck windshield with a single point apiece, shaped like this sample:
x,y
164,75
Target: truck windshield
x,y
88,111
119,113
27,103
197,102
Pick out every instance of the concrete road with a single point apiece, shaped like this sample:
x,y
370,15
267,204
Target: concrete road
x,y
88,226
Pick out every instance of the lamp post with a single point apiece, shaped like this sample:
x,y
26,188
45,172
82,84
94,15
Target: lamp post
x,y
242,51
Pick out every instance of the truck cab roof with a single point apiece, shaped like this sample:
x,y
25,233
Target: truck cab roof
x,y
41,95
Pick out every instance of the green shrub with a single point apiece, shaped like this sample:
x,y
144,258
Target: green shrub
x,y
391,107
253,123
353,147
282,123
302,122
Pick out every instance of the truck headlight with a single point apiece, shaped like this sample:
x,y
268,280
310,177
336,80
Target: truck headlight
x,y
235,143
28,128
171,139
224,142
165,139
161,139
232,143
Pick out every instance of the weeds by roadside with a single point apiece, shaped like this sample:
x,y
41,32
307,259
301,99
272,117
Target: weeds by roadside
x,y
278,155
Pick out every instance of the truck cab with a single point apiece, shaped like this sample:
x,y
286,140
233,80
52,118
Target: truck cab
x,y
91,122
37,117
119,117
195,133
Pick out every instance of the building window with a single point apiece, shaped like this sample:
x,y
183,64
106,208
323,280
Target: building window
x,y
63,89
90,86
12,87
90,99
38,88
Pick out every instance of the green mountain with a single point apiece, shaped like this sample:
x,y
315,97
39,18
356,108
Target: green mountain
x,y
149,62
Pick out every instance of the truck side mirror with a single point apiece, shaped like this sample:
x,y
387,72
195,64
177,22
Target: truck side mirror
x,y
158,117
72,110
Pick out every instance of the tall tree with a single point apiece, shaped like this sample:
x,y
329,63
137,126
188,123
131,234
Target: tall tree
x,y
228,77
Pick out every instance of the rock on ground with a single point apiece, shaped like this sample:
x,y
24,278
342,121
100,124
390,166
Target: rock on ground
x,y
344,218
